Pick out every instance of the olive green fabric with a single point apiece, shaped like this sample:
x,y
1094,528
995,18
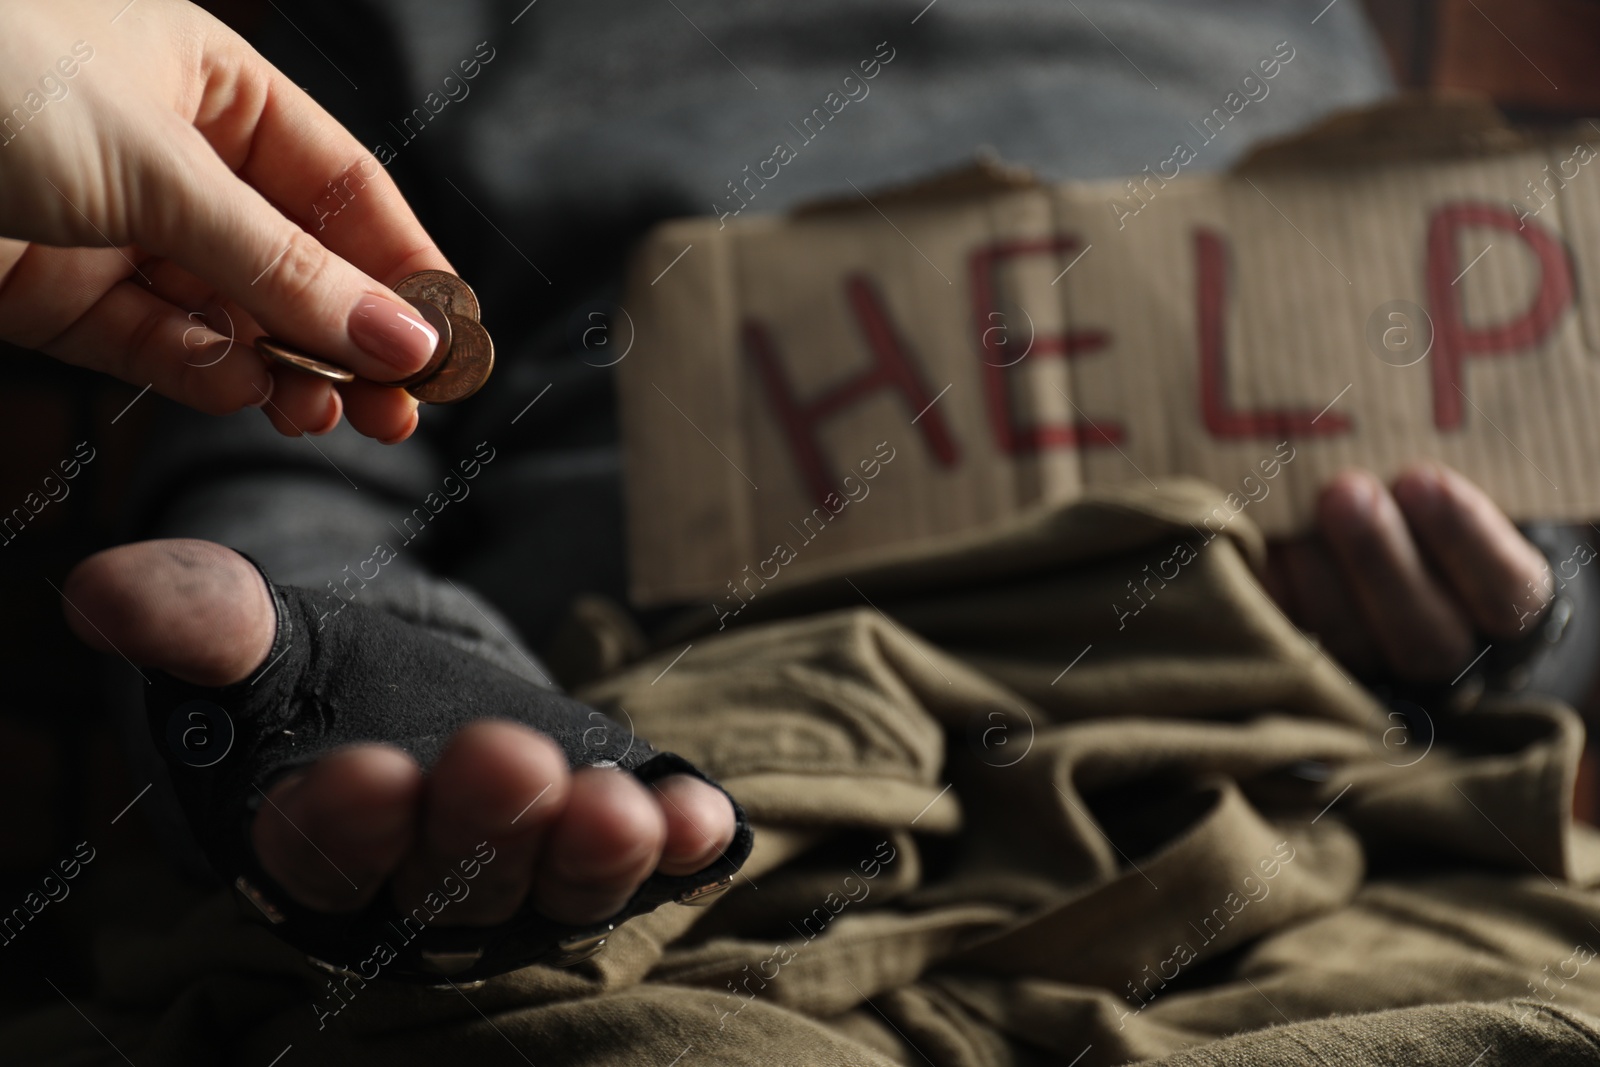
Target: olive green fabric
x,y
1003,819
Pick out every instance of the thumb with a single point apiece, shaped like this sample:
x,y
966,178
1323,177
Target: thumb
x,y
222,230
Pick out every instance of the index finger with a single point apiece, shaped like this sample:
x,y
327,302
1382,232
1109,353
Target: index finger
x,y
315,172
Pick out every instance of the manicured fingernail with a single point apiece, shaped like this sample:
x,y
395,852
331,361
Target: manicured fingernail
x,y
393,332
264,391
411,428
335,409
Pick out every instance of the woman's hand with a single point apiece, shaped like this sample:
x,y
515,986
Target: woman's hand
x,y
159,192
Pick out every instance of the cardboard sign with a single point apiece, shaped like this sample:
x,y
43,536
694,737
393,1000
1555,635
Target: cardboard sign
x,y
808,392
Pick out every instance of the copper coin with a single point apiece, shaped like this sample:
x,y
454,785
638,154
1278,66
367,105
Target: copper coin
x,y
443,290
464,371
293,357
441,325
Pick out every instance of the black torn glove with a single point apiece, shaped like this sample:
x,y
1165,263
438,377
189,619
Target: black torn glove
x,y
370,677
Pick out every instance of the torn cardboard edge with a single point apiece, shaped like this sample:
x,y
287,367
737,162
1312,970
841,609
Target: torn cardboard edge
x,y
1410,127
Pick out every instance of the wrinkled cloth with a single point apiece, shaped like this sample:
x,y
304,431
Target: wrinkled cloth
x,y
994,828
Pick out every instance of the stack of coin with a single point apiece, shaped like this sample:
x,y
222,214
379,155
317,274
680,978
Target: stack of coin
x,y
462,360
